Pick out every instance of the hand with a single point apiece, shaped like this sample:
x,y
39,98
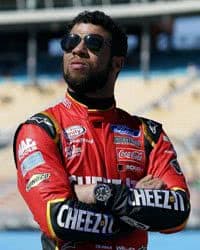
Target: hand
x,y
150,182
85,193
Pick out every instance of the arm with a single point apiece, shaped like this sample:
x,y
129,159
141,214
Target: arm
x,y
144,208
159,203
85,193
44,184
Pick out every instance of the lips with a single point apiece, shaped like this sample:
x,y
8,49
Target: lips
x,y
78,65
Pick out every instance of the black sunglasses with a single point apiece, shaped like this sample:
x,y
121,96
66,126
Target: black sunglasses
x,y
93,42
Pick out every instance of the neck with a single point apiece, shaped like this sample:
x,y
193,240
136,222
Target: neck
x,y
93,102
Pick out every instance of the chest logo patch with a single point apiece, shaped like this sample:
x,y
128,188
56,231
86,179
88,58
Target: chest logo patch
x,y
128,154
124,130
74,131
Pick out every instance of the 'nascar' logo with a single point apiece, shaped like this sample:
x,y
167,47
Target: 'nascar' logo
x,y
124,130
75,131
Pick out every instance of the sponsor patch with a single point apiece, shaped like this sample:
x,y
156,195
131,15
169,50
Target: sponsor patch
x,y
72,151
128,154
67,103
124,130
73,132
82,140
134,223
98,246
68,245
174,163
152,126
167,199
35,180
40,120
98,179
124,168
31,162
73,218
25,147
125,248
126,141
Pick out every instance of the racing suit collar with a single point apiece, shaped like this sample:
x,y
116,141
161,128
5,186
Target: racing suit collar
x,y
93,103
80,110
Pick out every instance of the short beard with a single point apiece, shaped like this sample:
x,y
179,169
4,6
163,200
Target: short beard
x,y
89,83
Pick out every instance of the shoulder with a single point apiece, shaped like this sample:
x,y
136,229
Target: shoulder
x,y
41,126
152,129
45,120
152,125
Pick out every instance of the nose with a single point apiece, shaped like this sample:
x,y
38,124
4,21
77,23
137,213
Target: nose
x,y
80,49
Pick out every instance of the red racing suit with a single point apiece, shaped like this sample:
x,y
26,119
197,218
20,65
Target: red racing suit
x,y
69,144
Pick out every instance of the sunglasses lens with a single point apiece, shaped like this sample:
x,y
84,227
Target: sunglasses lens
x,y
94,42
69,42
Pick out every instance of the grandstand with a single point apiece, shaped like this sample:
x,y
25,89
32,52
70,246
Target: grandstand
x,y
30,33
40,24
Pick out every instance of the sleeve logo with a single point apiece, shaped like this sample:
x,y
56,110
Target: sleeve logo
x,y
35,180
32,161
26,146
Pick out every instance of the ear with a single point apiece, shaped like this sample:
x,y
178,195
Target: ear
x,y
117,63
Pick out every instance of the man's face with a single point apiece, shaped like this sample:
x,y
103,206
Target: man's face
x,y
85,70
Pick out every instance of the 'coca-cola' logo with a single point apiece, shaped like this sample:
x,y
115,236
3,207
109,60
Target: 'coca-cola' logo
x,y
130,154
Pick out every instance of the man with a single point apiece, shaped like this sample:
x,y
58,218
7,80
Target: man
x,y
94,176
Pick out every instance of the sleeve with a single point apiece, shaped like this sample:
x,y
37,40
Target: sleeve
x,y
166,210
44,184
163,163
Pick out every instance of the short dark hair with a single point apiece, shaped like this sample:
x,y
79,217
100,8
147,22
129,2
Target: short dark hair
x,y
119,37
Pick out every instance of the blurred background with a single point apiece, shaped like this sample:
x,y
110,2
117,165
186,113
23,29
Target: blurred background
x,y
160,80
